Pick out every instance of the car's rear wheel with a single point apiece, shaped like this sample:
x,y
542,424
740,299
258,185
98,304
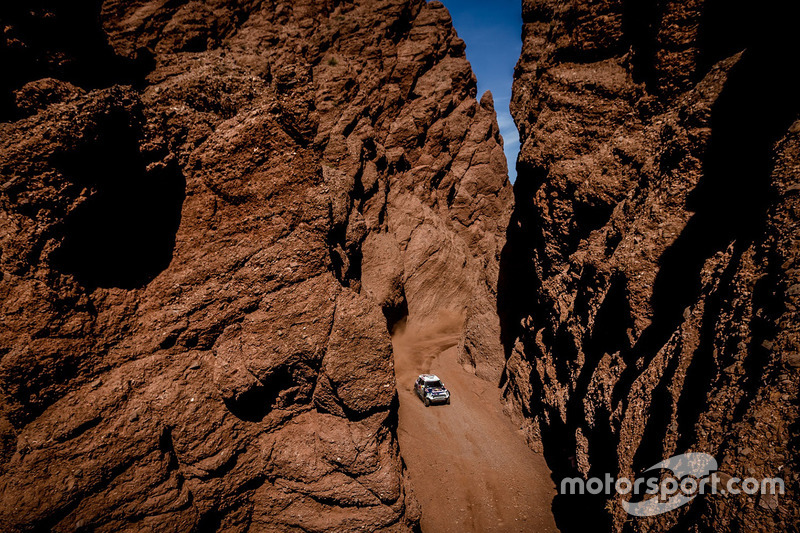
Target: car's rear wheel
x,y
427,402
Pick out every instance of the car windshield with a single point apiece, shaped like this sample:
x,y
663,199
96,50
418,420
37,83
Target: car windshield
x,y
434,384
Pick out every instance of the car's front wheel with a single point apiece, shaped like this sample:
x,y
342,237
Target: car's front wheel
x,y
448,401
427,402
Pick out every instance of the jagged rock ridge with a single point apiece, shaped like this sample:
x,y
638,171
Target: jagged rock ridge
x,y
212,212
649,286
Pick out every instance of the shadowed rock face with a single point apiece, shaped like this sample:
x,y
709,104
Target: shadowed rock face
x,y
211,213
649,287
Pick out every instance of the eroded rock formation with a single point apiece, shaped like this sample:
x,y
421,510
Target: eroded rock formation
x,y
649,286
211,215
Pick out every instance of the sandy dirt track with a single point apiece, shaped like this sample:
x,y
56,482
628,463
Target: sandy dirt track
x,y
469,466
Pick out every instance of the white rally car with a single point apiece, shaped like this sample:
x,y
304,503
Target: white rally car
x,y
430,389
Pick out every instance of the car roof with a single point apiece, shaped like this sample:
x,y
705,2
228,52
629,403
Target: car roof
x,y
429,377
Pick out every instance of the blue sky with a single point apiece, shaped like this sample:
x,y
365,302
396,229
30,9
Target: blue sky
x,y
492,31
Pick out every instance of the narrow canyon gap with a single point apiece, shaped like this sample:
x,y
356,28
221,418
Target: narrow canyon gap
x,y
213,215
492,32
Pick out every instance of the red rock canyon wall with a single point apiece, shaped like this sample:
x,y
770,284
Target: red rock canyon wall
x,y
211,214
649,287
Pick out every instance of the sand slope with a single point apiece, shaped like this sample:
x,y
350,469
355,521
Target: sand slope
x,y
469,466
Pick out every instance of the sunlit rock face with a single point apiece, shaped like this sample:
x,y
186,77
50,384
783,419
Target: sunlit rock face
x,y
649,287
211,215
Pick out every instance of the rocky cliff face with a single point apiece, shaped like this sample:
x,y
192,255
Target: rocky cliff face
x,y
650,282
211,215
